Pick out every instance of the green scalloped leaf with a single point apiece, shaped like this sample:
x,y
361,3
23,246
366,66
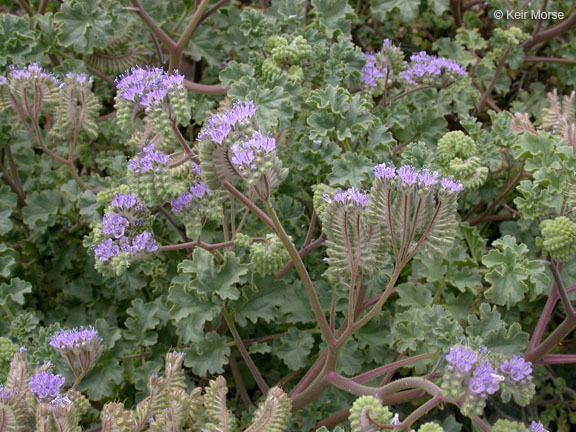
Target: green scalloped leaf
x,y
294,348
14,291
208,356
210,282
8,200
83,25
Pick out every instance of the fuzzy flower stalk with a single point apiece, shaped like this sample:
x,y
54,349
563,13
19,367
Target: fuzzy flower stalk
x,y
80,347
231,145
413,210
383,68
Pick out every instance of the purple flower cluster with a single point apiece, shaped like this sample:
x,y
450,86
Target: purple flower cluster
x,y
409,176
197,191
244,153
462,358
70,340
79,78
33,71
148,160
485,379
114,225
46,385
5,395
517,368
424,66
349,195
142,243
537,427
106,250
371,73
148,87
219,126
3,80
125,201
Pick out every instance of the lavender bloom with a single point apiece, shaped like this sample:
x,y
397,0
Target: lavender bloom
x,y
260,142
141,243
240,157
60,401
462,358
125,201
384,171
148,160
45,385
450,185
79,78
370,72
423,66
34,71
3,80
114,225
360,198
148,87
106,250
182,202
70,340
427,178
5,395
537,427
407,175
199,190
219,126
517,368
485,379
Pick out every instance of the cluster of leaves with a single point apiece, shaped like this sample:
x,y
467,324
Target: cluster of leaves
x,y
301,63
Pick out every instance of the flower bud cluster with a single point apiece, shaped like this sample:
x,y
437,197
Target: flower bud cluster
x,y
29,90
382,68
459,157
150,177
232,146
470,377
270,256
365,412
559,238
285,59
425,69
194,206
161,95
123,238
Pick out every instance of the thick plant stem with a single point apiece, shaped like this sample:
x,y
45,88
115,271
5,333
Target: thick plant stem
x,y
419,412
494,80
176,53
154,28
244,353
304,276
557,336
369,376
261,215
350,386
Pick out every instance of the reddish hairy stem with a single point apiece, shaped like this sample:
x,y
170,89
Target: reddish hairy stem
x,y
375,373
551,32
319,242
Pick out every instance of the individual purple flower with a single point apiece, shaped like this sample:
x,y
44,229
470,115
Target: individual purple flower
x,y
199,190
424,66
240,112
485,379
32,71
106,250
79,78
181,202
371,74
517,368
360,198
114,225
407,174
219,126
385,171
427,178
241,157
5,395
72,340
3,80
148,160
462,358
46,385
125,201
450,185
537,427
260,142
